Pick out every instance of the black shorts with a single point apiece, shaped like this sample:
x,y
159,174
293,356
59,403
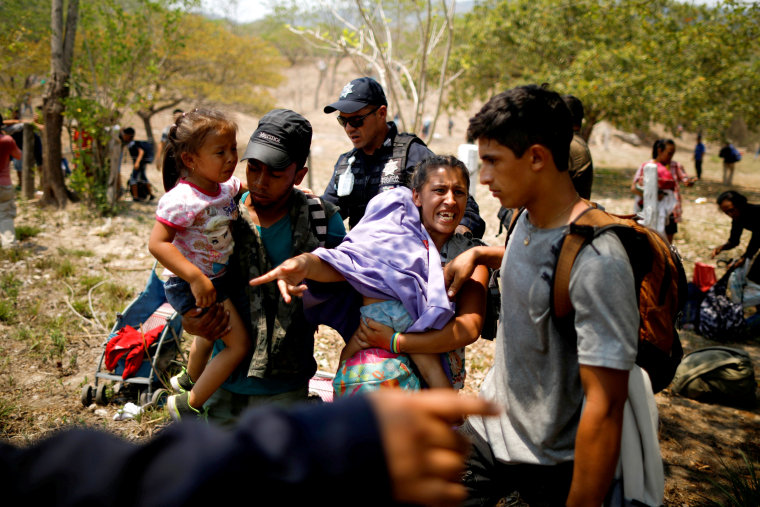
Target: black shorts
x,y
671,227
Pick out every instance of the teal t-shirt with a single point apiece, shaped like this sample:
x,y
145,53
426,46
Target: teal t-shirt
x,y
278,243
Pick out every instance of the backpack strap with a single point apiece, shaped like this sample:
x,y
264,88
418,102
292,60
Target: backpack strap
x,y
512,224
582,230
401,144
318,217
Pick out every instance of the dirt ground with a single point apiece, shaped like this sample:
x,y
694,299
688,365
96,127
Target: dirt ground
x,y
60,293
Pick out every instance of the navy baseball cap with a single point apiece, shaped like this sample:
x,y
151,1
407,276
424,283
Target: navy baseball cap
x,y
357,94
282,137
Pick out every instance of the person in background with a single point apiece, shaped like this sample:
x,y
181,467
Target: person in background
x,y
382,157
699,155
581,167
743,216
669,176
142,154
730,156
8,149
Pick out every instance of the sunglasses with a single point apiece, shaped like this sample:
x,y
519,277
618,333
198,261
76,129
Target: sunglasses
x,y
355,121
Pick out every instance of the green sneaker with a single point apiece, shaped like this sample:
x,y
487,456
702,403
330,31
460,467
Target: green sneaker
x,y
181,382
179,407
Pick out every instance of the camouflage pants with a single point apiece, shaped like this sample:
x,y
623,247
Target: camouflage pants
x,y
225,407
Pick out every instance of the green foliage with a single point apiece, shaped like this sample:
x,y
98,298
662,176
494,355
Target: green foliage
x,y
13,254
26,231
57,343
9,291
273,28
65,269
25,43
201,71
7,311
739,486
10,285
7,408
82,308
73,252
43,263
629,62
21,333
88,282
89,130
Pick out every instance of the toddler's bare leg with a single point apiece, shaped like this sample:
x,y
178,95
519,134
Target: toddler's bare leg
x,y
237,344
200,351
431,369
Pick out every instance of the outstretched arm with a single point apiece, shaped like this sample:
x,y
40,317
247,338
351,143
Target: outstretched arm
x,y
460,269
291,273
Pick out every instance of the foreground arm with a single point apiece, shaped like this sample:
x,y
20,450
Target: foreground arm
x,y
291,273
400,447
460,269
460,331
597,443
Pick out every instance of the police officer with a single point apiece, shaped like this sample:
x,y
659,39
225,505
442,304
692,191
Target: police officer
x,y
382,158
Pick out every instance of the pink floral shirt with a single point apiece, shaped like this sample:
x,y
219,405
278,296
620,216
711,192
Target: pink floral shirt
x,y
202,222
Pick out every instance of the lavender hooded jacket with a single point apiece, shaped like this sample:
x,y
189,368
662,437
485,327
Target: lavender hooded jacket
x,y
388,255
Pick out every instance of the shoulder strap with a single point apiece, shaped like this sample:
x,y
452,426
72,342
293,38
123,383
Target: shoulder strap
x,y
343,161
318,218
582,231
512,224
401,144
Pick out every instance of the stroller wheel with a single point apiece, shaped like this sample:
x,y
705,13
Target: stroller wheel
x,y
87,395
144,400
159,397
101,396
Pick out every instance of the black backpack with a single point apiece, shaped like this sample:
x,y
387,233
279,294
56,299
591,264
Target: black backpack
x,y
149,150
720,318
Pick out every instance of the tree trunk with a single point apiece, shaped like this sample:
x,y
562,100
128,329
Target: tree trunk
x,y
322,68
114,181
27,163
62,52
145,115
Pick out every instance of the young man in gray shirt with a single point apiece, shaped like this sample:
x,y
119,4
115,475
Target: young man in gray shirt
x,y
557,440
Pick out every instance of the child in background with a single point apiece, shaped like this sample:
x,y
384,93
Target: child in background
x,y
192,238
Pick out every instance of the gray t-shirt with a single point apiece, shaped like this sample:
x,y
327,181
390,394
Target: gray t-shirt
x,y
535,375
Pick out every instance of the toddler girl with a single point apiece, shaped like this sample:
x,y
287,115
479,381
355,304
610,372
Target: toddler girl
x,y
192,238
